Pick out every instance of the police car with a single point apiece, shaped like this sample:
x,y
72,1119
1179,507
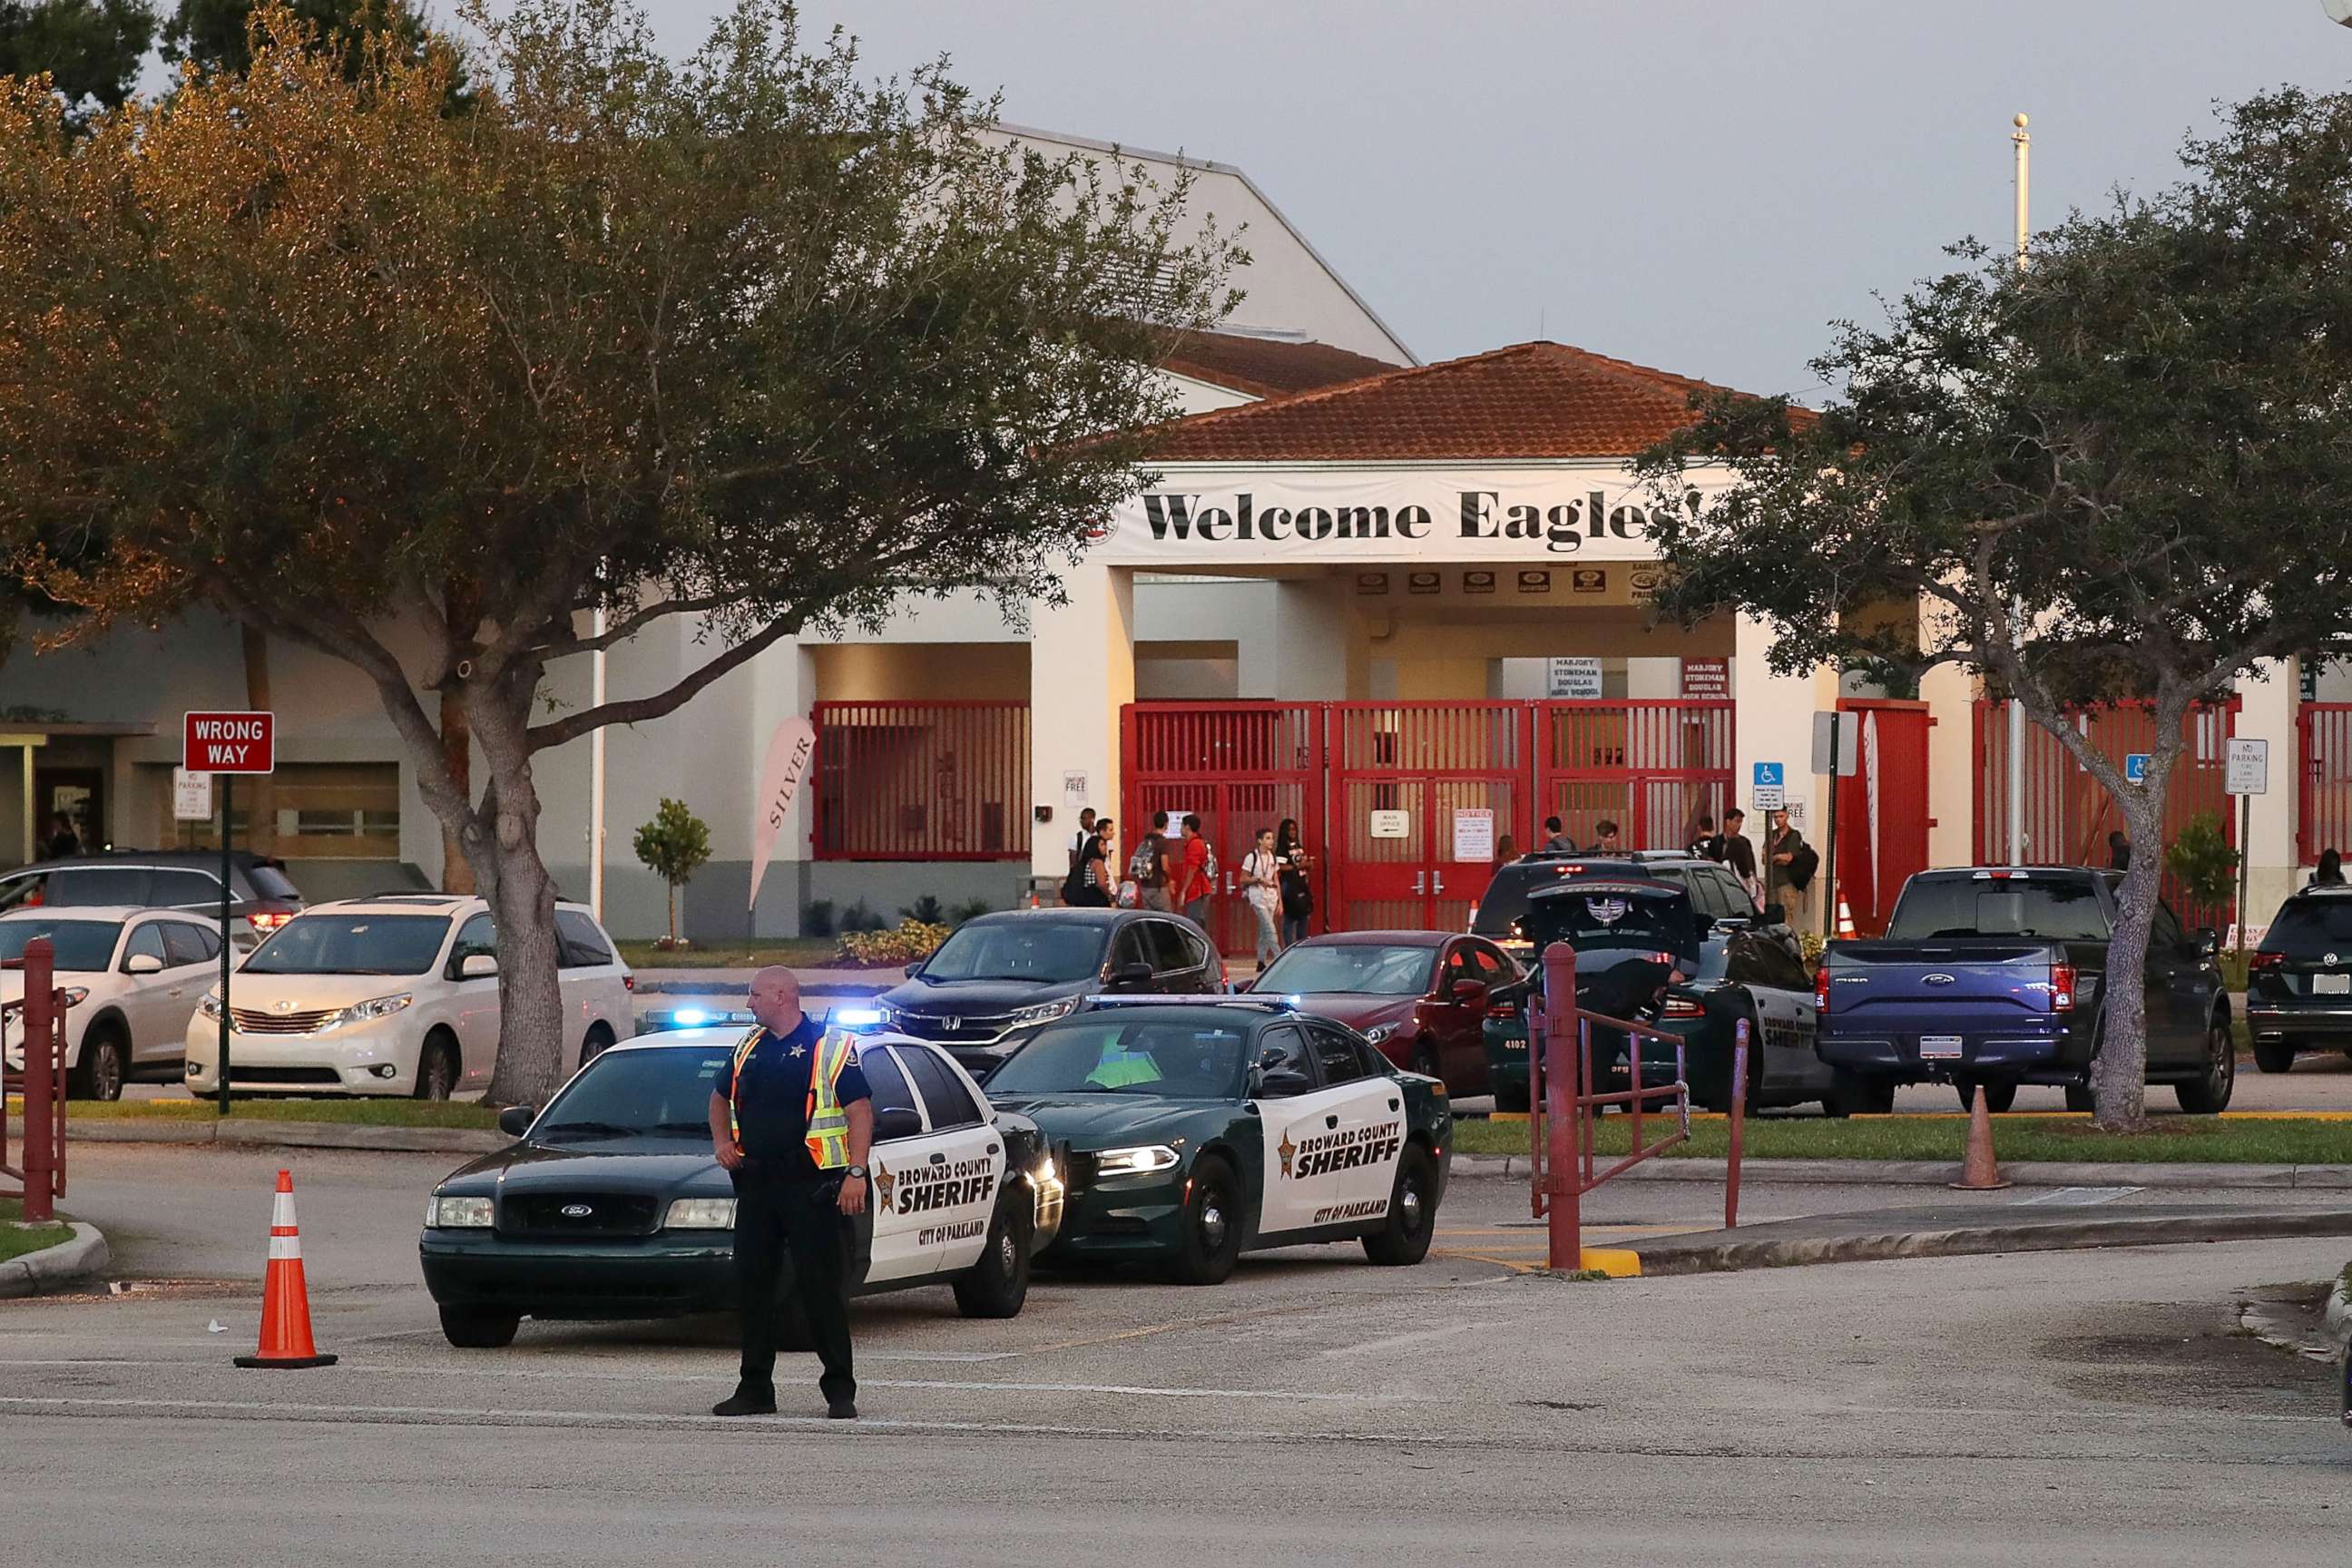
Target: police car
x,y
1190,1130
609,1203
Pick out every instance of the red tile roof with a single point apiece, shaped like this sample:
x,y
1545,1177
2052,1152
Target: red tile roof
x,y
1268,367
1532,400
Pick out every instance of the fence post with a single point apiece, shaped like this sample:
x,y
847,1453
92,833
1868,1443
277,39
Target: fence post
x,y
1739,1124
1563,1094
41,1088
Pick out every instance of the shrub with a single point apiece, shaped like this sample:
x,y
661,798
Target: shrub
x,y
970,909
674,846
2202,861
817,918
924,910
860,917
911,942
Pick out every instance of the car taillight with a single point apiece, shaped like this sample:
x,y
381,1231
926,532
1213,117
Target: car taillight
x,y
1683,1007
2266,959
34,901
1821,989
266,923
2061,988
628,983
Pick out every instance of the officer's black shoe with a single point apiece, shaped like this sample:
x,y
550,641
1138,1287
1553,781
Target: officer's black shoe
x,y
842,1410
741,1403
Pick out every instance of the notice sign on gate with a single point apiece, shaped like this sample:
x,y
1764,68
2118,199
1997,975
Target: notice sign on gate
x,y
192,796
1391,825
1474,833
230,743
2249,768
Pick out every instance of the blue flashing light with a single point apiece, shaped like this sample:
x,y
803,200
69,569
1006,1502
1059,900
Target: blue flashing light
x,y
856,1018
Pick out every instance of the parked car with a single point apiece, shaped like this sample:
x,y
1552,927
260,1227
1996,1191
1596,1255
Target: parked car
x,y
609,1203
130,979
1420,996
1713,891
998,977
397,994
262,898
1191,1131
1992,975
2299,981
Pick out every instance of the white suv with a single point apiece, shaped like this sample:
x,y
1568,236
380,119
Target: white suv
x,y
130,978
397,994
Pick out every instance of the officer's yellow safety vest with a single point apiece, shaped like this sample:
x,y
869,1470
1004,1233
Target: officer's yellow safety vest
x,y
828,1124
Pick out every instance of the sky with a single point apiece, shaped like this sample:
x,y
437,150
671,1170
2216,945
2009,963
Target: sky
x,y
1698,186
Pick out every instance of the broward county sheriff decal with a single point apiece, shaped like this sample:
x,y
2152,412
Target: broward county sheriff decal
x,y
1326,1153
921,1189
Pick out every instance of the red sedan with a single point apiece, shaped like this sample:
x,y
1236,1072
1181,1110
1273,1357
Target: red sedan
x,y
1419,995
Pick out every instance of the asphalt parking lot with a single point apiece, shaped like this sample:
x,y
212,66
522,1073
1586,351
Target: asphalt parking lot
x,y
2073,1407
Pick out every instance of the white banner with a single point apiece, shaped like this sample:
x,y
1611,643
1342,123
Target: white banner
x,y
789,755
1230,516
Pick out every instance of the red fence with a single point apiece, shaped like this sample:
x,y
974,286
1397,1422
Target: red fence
x,y
921,781
1404,775
1882,821
2068,813
1653,768
2323,796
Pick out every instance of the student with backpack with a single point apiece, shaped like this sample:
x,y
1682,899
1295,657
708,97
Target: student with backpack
x,y
1090,883
1262,890
1147,869
1196,883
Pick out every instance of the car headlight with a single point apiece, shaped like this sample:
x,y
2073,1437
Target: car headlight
x,y
368,1011
700,1214
210,1006
457,1214
75,995
1135,1162
1045,1012
1379,1033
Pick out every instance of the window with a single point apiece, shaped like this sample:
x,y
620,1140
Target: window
x,y
2164,933
1337,1053
1164,940
1492,967
22,890
479,934
951,1103
1128,947
316,811
1459,966
578,943
1359,968
1751,958
2307,927
889,1084
83,947
184,890
146,942
1196,1055
1050,953
2060,906
88,885
325,943
189,944
1282,1050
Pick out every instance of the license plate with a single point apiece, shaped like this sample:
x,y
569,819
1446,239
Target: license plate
x,y
2331,984
1940,1047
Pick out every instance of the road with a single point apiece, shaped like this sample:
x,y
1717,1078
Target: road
x,y
2083,1408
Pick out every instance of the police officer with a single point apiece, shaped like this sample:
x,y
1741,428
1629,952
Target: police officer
x,y
791,1122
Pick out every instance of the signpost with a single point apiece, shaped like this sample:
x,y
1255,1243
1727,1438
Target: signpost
x,y
2246,774
1837,752
1768,794
227,744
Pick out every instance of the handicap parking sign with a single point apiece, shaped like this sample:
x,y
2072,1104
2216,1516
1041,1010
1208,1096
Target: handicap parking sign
x,y
1768,775
1768,794
2135,767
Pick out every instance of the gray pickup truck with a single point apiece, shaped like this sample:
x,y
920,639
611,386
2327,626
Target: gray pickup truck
x,y
1993,976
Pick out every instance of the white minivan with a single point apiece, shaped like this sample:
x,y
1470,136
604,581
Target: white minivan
x,y
397,994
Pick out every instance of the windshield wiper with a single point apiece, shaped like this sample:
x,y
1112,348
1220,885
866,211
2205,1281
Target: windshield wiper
x,y
702,1127
590,1129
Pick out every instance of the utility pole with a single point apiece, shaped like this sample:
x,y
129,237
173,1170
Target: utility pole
x,y
2016,809
596,773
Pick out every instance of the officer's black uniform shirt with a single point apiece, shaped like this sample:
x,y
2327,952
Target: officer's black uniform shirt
x,y
771,1098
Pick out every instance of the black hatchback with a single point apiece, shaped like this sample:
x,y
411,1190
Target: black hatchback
x,y
2299,981
261,896
998,977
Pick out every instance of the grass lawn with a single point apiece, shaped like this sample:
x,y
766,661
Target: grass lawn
x,y
2188,1140
800,952
356,1112
17,1239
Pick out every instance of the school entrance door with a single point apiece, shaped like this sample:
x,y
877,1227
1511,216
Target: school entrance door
x,y
1422,793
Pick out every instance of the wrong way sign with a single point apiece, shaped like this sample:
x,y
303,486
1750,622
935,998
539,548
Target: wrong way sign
x,y
229,743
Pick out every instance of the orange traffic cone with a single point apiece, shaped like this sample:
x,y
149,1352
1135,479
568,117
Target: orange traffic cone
x,y
1980,1172
285,1300
1845,919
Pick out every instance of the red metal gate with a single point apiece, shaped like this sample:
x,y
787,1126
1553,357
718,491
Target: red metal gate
x,y
1240,766
1882,819
2322,735
921,781
1402,854
1651,767
2068,813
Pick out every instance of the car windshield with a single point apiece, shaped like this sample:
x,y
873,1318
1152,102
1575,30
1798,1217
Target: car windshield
x,y
1108,1053
662,1093
1047,953
2062,908
1367,968
83,946
2310,928
351,944
1615,918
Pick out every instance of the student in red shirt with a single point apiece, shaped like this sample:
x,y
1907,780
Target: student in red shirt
x,y
1194,881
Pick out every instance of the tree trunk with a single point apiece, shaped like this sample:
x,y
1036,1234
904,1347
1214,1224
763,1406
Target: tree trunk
x,y
672,914
505,858
260,797
458,746
2119,1075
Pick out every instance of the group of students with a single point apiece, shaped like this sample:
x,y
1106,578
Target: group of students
x,y
1177,872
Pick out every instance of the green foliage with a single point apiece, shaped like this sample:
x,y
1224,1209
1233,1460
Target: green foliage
x,y
925,910
859,917
90,48
910,941
817,918
2202,860
674,846
970,909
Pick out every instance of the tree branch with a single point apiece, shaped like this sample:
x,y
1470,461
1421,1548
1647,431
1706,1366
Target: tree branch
x,y
637,710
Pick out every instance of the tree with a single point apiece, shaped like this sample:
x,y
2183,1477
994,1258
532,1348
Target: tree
x,y
2204,864
2119,475
90,49
214,36
674,846
747,341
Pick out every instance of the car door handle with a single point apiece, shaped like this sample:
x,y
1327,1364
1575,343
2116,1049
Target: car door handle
x,y
992,1148
939,1159
1330,1122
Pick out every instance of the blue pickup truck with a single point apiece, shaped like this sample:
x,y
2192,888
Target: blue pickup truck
x,y
1992,975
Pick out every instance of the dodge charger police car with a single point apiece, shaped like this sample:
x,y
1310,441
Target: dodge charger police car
x,y
609,1204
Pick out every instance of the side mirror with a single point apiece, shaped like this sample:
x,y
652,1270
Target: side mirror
x,y
1130,977
913,969
1776,915
2209,943
896,1122
1283,1085
478,966
142,964
1470,993
516,1120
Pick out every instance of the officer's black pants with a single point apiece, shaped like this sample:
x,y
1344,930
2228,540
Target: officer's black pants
x,y
780,1213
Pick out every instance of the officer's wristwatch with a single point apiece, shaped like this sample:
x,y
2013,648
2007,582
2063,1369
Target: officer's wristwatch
x,y
857,1171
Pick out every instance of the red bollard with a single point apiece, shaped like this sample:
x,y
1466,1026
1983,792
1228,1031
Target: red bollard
x,y
1563,1048
41,1087
1739,1124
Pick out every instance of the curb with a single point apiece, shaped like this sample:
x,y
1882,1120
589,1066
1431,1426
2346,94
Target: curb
x,y
737,979
2155,1230
235,1134
45,1272
1937,1173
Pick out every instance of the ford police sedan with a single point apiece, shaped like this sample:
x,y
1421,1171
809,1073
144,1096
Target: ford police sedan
x,y
609,1204
1192,1130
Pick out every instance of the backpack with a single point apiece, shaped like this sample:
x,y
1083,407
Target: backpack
x,y
1209,866
1801,867
1144,864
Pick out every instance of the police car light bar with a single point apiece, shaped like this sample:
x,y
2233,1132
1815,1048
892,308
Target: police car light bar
x,y
855,1017
693,1018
